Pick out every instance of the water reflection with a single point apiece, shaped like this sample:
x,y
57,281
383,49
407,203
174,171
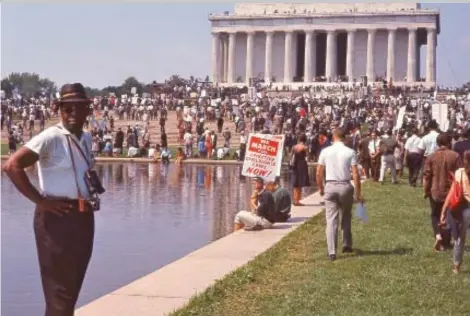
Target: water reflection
x,y
151,215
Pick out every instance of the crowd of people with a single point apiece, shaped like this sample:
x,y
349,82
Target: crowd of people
x,y
388,130
350,134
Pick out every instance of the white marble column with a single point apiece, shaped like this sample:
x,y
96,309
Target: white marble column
x,y
269,58
231,57
310,47
350,55
225,61
391,55
412,50
250,42
221,61
215,57
330,65
288,57
431,55
370,69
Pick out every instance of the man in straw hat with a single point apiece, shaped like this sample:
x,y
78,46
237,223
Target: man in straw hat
x,y
63,219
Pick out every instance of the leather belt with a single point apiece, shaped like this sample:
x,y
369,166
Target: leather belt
x,y
74,203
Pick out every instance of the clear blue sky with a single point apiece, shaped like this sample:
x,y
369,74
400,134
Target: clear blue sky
x,y
102,44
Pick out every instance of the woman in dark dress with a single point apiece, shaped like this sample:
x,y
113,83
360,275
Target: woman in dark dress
x,y
300,176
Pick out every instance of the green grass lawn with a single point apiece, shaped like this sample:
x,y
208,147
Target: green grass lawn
x,y
393,271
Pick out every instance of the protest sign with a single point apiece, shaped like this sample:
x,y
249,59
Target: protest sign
x,y
133,90
401,115
439,112
263,156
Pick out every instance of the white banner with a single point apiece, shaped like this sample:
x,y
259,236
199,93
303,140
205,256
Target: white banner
x,y
439,113
263,156
401,116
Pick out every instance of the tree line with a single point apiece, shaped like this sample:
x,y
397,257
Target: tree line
x,y
33,85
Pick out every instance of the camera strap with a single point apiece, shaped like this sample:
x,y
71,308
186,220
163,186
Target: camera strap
x,y
73,166
68,136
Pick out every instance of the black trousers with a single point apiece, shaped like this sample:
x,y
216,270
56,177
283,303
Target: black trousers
x,y
414,162
375,168
436,210
242,152
64,245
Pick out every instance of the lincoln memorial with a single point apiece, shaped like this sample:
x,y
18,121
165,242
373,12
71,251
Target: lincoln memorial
x,y
324,43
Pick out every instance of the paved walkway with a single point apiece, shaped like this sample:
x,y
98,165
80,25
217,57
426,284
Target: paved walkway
x,y
172,286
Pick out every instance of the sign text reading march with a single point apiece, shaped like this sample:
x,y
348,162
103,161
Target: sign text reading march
x,y
262,156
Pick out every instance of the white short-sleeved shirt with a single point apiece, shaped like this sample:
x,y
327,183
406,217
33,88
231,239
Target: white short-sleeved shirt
x,y
55,170
412,144
429,143
337,160
374,146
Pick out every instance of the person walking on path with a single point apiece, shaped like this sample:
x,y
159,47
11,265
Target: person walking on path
x,y
375,155
437,184
64,219
463,144
461,217
413,157
300,176
336,162
387,161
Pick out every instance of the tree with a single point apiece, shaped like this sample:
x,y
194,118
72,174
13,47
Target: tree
x,y
176,80
129,83
28,84
92,92
7,87
207,79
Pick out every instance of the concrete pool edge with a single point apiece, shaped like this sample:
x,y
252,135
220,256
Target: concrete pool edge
x,y
193,161
172,286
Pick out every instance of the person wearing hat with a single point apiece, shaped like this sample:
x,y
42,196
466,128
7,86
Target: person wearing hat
x,y
264,216
63,226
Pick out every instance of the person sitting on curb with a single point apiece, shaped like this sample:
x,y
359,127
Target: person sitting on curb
x,y
264,216
132,152
180,156
165,155
282,200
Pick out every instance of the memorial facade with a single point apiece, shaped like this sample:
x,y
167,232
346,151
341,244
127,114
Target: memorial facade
x,y
309,44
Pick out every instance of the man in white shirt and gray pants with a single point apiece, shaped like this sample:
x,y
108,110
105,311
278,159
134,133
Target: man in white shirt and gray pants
x,y
337,161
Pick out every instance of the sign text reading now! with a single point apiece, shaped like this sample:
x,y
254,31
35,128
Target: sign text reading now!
x,y
258,172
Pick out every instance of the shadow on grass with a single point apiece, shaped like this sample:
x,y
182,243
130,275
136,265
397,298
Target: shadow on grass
x,y
397,251
289,223
315,204
297,219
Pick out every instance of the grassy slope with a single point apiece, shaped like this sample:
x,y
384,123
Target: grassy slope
x,y
394,271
